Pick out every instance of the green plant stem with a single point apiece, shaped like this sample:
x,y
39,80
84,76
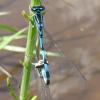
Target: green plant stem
x,y
28,56
7,28
27,63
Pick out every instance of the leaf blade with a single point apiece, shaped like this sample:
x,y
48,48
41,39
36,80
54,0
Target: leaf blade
x,y
8,40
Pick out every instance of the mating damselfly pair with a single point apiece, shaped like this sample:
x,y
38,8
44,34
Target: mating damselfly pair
x,y
42,64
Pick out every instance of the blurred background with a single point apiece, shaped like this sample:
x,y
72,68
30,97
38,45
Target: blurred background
x,y
72,28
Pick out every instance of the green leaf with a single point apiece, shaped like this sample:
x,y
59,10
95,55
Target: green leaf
x,y
5,72
8,40
25,15
17,37
4,13
54,54
7,28
34,98
9,76
14,48
10,88
22,50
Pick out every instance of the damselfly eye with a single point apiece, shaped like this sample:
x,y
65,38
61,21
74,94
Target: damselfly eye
x,y
38,8
33,9
42,8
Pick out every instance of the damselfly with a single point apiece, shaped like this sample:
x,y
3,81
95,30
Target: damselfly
x,y
42,63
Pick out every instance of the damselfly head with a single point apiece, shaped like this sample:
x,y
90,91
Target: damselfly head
x,y
37,8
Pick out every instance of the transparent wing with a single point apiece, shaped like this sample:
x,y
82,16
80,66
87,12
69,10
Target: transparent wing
x,y
65,70
65,74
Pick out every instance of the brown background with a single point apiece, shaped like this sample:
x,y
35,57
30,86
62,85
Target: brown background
x,y
75,27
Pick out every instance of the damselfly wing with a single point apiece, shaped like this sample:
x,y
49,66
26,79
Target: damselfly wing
x,y
65,72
